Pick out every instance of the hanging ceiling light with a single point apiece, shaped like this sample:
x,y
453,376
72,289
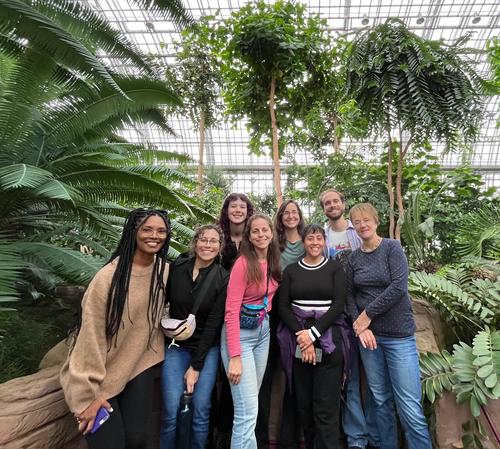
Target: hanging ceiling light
x,y
420,20
476,18
365,20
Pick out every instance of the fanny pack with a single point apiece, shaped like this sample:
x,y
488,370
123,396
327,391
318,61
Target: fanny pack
x,y
183,329
252,315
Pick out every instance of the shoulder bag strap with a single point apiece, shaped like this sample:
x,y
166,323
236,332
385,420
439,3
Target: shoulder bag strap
x,y
268,276
208,279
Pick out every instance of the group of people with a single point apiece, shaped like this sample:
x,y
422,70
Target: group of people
x,y
337,293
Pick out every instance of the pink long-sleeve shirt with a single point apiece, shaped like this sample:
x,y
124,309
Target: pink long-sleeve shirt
x,y
240,291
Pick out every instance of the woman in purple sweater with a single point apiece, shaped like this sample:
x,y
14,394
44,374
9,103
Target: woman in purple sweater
x,y
382,316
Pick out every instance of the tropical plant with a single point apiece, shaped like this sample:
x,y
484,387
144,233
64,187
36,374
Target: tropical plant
x,y
67,178
471,372
414,88
464,299
479,233
195,75
267,53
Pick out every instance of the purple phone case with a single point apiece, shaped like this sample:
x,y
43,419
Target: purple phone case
x,y
101,417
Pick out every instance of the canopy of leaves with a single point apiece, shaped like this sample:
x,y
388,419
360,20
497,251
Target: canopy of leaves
x,y
196,75
260,42
67,179
426,88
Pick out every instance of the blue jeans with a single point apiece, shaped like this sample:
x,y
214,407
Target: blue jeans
x,y
360,426
254,351
177,361
392,371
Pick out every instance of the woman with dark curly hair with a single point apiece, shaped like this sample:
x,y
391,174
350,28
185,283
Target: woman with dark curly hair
x,y
234,214
119,339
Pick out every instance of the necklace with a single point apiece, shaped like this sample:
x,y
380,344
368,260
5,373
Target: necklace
x,y
365,250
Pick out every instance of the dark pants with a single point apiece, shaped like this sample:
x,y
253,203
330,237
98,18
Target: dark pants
x,y
317,390
128,426
273,362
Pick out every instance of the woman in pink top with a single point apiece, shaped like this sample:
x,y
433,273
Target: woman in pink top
x,y
244,351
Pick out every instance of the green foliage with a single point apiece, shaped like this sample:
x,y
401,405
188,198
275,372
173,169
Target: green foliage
x,y
464,300
67,179
479,233
195,75
472,373
404,82
21,341
476,369
437,374
493,49
261,41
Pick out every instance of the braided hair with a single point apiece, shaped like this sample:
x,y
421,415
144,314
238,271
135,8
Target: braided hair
x,y
124,253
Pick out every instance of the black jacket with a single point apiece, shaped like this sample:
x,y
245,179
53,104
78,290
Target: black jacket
x,y
182,292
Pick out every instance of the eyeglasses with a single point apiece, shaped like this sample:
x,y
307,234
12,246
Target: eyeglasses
x,y
149,232
211,242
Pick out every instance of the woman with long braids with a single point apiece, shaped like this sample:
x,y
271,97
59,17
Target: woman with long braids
x,y
119,339
245,340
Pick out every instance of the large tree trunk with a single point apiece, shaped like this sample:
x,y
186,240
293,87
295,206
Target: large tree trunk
x,y
276,154
201,149
390,189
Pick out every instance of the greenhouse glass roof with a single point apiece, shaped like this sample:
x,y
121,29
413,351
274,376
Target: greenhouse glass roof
x,y
226,147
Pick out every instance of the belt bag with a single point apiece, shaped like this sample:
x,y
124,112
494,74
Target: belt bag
x,y
178,329
252,315
183,329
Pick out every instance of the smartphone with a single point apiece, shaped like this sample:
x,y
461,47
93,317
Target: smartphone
x,y
319,353
101,417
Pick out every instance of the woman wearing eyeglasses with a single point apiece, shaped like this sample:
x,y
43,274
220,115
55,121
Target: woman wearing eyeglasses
x,y
119,339
191,365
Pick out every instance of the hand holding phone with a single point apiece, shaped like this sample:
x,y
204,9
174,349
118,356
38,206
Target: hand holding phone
x,y
101,417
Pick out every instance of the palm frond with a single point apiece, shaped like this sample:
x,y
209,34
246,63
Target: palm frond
x,y
85,25
51,40
11,266
171,9
479,234
143,94
72,266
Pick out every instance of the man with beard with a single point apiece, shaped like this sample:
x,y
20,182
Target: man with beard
x,y
360,426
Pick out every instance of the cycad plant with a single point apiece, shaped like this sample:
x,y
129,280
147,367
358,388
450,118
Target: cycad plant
x,y
413,90
67,178
467,296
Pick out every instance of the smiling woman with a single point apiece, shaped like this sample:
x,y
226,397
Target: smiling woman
x,y
119,339
245,344
312,298
381,311
197,285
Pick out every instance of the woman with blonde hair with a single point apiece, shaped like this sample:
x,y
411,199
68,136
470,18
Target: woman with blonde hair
x,y
382,316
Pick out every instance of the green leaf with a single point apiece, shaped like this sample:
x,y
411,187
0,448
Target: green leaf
x,y
475,408
485,371
491,380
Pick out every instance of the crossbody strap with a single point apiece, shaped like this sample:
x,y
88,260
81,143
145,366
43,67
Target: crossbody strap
x,y
199,299
268,276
